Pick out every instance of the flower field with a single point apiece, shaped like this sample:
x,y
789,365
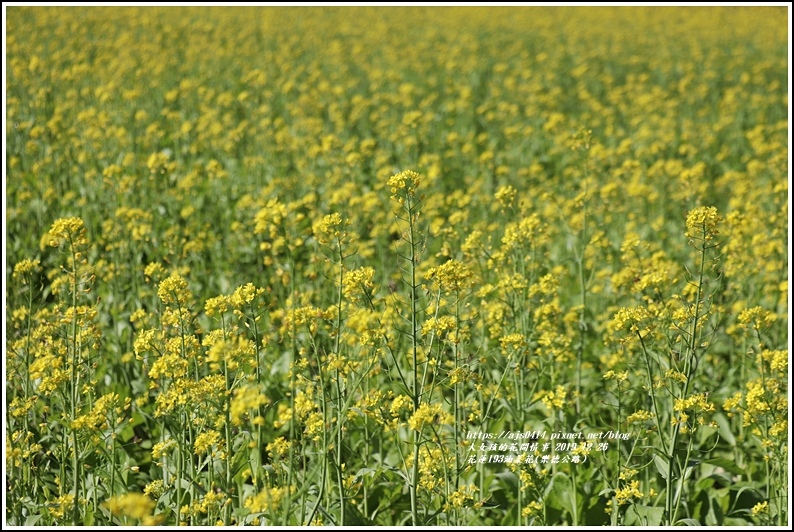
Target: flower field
x,y
397,266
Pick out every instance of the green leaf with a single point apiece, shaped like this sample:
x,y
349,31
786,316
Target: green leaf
x,y
661,466
32,519
727,465
595,514
715,515
509,478
562,495
745,497
688,522
691,465
354,517
704,483
724,429
88,516
641,515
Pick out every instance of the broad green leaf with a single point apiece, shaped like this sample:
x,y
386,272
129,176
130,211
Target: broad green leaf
x,y
638,514
724,429
727,465
562,495
661,466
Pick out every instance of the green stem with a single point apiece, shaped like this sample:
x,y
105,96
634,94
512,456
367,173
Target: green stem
x,y
179,476
228,436
340,400
672,501
414,350
293,367
74,383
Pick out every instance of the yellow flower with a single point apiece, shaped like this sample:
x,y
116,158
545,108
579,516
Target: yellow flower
x,y
533,508
162,448
702,223
552,399
514,341
278,447
245,399
173,290
757,318
244,295
266,500
429,414
67,230
205,441
358,282
136,506
639,416
216,306
505,196
330,227
26,266
631,491
401,403
451,277
154,489
405,182
459,498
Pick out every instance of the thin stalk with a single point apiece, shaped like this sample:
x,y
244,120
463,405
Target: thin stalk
x,y
414,350
293,366
74,383
456,391
260,427
671,501
179,476
340,400
227,424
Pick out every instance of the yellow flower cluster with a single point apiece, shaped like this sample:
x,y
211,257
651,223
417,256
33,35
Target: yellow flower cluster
x,y
439,326
532,508
174,291
106,411
639,416
428,414
452,277
330,228
135,506
278,447
696,402
761,508
552,399
211,502
513,341
702,223
357,283
246,399
403,184
461,497
266,500
205,441
505,196
68,230
162,448
757,318
617,377
62,506
525,233
154,489
25,267
628,492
